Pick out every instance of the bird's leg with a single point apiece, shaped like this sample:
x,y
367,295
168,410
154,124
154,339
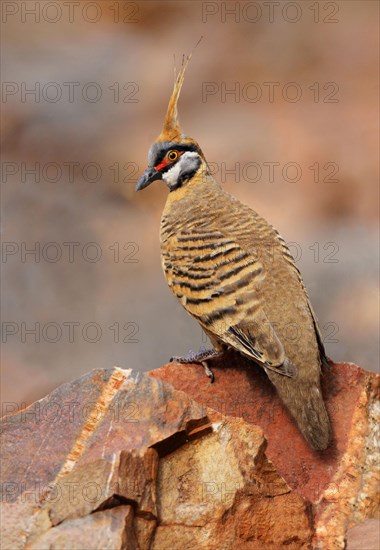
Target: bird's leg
x,y
201,357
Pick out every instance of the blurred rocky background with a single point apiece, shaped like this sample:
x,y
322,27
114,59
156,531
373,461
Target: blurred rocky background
x,y
283,99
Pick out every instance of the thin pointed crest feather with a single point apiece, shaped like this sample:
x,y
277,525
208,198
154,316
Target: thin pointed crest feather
x,y
171,129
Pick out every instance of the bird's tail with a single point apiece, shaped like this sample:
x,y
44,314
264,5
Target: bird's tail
x,y
303,398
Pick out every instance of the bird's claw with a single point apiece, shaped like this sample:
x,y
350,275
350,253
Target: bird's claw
x,y
208,372
201,357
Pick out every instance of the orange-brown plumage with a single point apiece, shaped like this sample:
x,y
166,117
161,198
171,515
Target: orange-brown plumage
x,y
232,271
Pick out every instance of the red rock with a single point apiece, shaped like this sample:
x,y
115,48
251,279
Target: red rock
x,y
90,445
222,492
122,460
340,482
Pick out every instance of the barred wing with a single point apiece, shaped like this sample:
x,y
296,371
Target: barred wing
x,y
219,283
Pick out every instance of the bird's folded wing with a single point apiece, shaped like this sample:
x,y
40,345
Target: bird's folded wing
x,y
219,284
289,258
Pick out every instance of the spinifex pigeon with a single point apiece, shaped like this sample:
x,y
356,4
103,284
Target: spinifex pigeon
x,y
233,272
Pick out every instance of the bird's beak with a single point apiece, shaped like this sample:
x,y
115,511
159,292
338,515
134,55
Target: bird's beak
x,y
150,175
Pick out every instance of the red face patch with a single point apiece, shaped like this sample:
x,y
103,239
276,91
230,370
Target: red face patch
x,y
161,165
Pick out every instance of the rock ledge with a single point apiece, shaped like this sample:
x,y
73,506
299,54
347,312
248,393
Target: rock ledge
x,y
120,460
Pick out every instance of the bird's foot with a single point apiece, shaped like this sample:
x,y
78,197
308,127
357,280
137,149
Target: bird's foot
x,y
191,357
201,357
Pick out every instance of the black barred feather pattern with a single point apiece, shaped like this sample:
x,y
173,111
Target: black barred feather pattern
x,y
234,274
223,293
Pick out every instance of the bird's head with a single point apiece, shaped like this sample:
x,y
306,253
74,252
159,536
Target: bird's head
x,y
173,157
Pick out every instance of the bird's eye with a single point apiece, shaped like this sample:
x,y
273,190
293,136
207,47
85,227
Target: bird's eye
x,y
172,155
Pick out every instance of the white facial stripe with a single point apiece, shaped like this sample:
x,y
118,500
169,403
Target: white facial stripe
x,y
186,163
171,176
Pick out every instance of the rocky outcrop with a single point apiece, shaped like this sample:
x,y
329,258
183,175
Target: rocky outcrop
x,y
121,460
342,483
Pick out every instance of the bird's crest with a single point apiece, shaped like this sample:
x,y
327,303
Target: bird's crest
x,y
171,130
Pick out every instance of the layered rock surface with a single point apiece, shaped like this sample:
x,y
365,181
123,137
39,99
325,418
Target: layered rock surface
x,y
121,460
342,483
